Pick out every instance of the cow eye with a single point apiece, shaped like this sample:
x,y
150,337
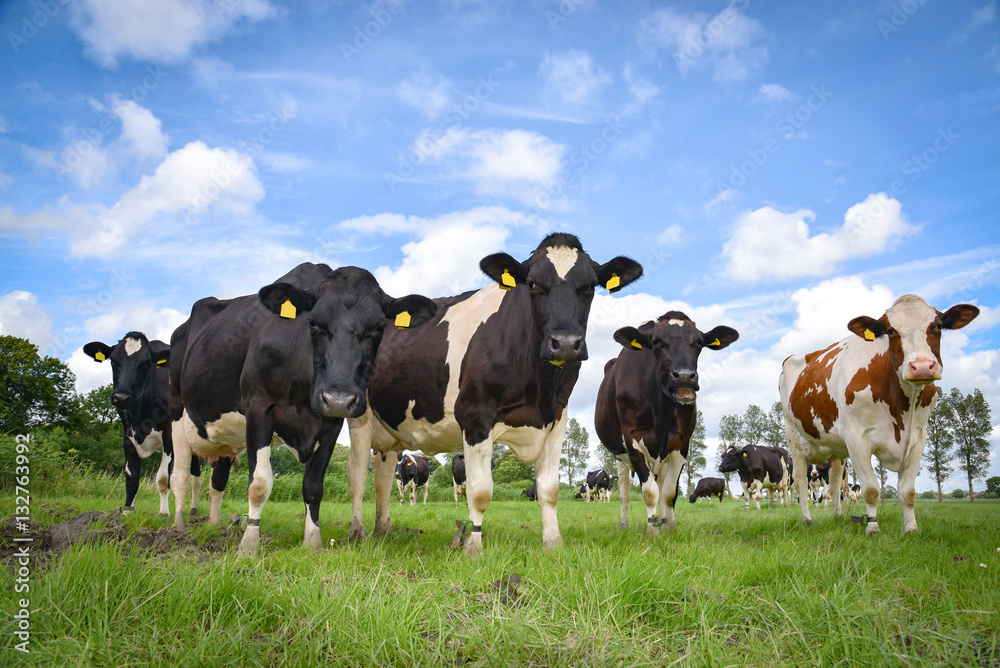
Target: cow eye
x,y
532,285
890,331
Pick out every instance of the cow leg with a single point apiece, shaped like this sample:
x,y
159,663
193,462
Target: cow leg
x,y
870,491
413,493
399,487
668,490
312,485
651,497
427,488
357,470
801,479
162,484
133,473
547,481
260,476
624,492
836,482
385,469
181,471
907,492
195,484
217,486
479,491
455,489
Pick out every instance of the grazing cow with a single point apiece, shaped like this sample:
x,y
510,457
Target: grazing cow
x,y
141,394
854,492
531,492
284,366
646,412
412,473
869,394
759,467
458,476
707,488
597,486
497,364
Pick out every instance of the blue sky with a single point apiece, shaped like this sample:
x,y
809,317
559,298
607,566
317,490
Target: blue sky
x,y
776,167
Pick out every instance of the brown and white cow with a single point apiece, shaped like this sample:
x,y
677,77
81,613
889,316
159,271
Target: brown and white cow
x,y
870,394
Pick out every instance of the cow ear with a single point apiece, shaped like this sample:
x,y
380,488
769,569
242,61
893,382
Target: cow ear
x,y
618,272
632,339
410,311
285,300
719,337
504,269
958,316
160,352
98,350
867,328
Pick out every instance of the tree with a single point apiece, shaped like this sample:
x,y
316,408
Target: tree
x,y
968,420
883,474
938,448
607,460
755,426
729,435
33,390
512,469
774,427
696,460
574,450
993,486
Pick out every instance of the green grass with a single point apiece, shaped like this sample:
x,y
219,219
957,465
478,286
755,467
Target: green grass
x,y
730,588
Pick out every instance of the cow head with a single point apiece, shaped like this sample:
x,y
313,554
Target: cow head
x,y
910,330
133,361
346,316
730,460
676,344
560,279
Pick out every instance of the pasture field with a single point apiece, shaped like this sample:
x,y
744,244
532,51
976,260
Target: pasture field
x,y
729,588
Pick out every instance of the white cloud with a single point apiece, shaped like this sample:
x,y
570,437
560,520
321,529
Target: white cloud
x,y
670,235
427,91
21,316
770,245
512,163
775,93
154,323
141,134
723,197
157,30
641,90
572,77
730,43
981,17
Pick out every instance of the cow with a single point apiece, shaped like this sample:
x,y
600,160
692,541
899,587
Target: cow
x,y
141,395
870,394
707,488
494,365
412,473
458,476
597,486
283,367
759,467
646,410
854,492
531,492
819,483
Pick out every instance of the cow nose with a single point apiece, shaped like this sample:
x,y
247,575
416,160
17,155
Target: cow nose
x,y
923,369
341,403
684,376
121,399
566,347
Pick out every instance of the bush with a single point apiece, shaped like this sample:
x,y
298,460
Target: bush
x,y
929,494
53,472
889,491
958,494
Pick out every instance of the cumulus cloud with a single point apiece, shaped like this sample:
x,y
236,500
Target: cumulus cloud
x,y
768,244
730,43
157,30
572,77
427,91
23,317
775,93
141,130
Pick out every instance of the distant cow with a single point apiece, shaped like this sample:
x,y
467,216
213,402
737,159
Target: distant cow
x,y
412,473
759,468
597,486
870,394
854,492
707,488
819,482
458,476
284,366
531,492
646,412
141,395
494,365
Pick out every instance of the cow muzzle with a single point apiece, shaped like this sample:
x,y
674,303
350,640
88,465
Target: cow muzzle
x,y
566,347
341,403
922,371
121,399
682,386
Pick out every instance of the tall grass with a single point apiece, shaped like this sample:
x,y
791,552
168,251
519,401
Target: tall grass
x,y
730,587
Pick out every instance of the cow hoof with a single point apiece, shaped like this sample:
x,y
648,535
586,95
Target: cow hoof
x,y
473,547
250,543
807,522
871,529
552,543
194,512
652,531
912,529
623,526
358,532
125,510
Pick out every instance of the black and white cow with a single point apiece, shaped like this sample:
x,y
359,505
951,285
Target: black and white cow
x,y
141,394
707,488
646,412
819,483
759,467
597,486
284,366
458,476
497,364
531,492
412,473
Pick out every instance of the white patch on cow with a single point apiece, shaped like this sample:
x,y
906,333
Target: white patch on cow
x,y
152,443
128,471
910,316
311,534
227,436
132,346
676,323
563,258
651,462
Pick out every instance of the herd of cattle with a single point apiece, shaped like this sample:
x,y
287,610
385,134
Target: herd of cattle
x,y
286,367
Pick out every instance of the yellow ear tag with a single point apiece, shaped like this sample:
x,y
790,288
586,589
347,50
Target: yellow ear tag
x,y
99,356
714,344
869,335
506,280
744,454
613,283
161,363
636,345
403,319
288,310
